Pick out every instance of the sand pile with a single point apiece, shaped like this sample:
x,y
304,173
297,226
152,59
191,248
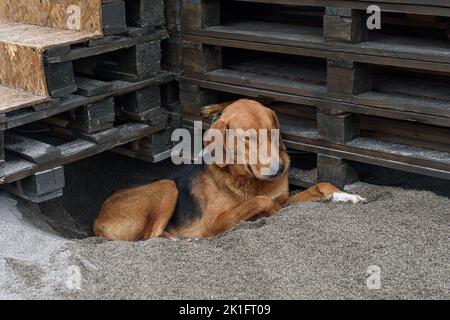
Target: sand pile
x,y
308,251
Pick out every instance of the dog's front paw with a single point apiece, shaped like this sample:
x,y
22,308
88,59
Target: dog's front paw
x,y
343,197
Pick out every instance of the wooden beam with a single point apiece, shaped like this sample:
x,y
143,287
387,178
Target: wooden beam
x,y
30,149
198,14
335,170
346,25
40,187
346,77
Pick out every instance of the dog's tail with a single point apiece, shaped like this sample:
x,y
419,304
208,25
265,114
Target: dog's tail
x,y
213,110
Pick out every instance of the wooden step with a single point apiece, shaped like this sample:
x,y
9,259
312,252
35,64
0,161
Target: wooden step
x,y
21,57
53,68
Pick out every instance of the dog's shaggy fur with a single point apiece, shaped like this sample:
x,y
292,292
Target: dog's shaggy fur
x,y
205,201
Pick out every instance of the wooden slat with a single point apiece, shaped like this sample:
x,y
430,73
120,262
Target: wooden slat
x,y
30,149
434,7
40,187
73,101
408,52
18,168
373,103
92,87
301,135
302,178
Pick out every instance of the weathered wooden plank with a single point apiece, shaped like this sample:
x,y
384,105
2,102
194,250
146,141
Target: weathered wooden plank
x,y
73,101
40,187
155,148
94,117
346,77
2,155
201,58
60,79
29,149
133,64
371,151
370,103
199,14
345,25
140,100
339,128
390,50
193,98
172,59
302,178
423,7
335,170
145,13
173,15
368,150
113,44
75,150
114,19
92,87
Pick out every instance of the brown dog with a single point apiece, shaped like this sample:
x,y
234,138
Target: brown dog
x,y
205,201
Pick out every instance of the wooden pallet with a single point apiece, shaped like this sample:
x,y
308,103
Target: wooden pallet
x,y
23,164
158,147
100,117
172,55
336,139
333,32
321,54
133,57
90,92
36,39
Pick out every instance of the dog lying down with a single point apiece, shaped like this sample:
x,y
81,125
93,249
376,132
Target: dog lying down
x,y
208,200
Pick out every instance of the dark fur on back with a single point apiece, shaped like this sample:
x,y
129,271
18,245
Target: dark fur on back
x,y
188,209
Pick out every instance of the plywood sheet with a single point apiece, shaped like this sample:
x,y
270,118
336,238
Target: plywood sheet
x,y
40,37
11,99
21,54
75,15
22,68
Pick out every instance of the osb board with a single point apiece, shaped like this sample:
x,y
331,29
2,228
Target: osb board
x,y
75,15
40,37
21,54
11,100
22,68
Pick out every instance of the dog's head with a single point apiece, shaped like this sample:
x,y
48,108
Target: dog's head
x,y
244,125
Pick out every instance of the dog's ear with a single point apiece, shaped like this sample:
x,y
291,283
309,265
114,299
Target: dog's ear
x,y
221,126
275,121
276,125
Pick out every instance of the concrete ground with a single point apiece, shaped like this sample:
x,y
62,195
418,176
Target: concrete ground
x,y
308,251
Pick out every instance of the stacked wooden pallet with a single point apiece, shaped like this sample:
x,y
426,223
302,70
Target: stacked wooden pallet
x,y
78,78
172,57
342,91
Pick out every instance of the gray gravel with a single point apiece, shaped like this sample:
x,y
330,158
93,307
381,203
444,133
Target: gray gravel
x,y
308,251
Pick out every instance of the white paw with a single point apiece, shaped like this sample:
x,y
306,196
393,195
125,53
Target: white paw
x,y
342,197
